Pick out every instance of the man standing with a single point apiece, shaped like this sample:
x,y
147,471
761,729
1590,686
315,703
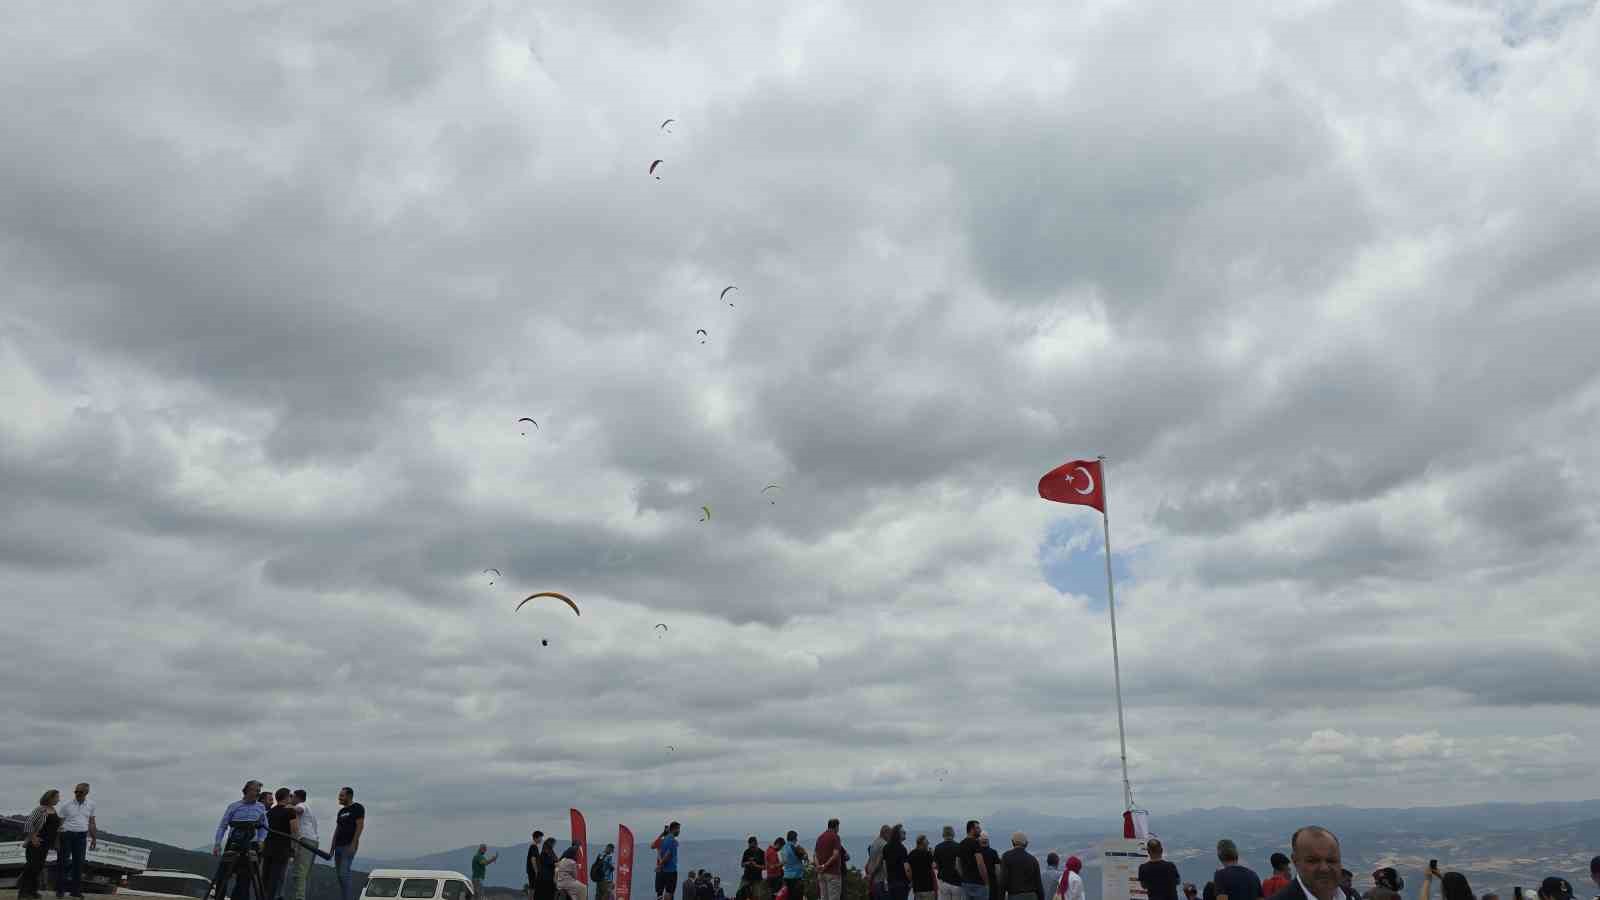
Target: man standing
x,y
667,863
921,870
1234,880
1316,866
604,873
533,863
347,830
877,881
1022,880
974,868
830,863
283,829
304,856
480,868
1158,876
1051,876
244,826
1280,876
751,863
947,862
894,864
78,835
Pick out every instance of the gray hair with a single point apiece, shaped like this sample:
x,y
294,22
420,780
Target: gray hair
x,y
1018,839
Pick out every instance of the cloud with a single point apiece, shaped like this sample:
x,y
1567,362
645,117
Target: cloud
x,y
1318,282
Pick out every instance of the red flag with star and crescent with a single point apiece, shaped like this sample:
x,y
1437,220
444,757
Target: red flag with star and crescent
x,y
1076,481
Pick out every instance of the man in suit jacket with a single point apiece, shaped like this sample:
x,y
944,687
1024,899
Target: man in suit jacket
x,y
1315,853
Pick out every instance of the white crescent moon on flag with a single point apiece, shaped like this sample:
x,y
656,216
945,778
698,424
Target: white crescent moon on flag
x,y
1085,475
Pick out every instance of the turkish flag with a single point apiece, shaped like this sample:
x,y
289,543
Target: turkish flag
x,y
1077,481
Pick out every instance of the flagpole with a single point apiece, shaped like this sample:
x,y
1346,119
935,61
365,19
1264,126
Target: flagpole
x,y
1116,662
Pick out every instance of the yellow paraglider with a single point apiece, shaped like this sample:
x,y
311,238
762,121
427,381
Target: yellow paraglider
x,y
562,597
706,510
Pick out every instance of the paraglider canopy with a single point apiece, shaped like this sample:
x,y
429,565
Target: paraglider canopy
x,y
530,422
666,123
559,596
653,169
706,513
725,291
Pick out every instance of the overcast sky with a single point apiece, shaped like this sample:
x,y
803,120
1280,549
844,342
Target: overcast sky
x,y
1318,278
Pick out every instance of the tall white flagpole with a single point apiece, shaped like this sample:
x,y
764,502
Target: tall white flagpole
x,y
1116,662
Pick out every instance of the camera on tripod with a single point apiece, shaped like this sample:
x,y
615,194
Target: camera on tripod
x,y
242,839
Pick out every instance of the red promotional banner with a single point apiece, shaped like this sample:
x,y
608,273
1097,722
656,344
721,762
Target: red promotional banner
x,y
580,839
623,886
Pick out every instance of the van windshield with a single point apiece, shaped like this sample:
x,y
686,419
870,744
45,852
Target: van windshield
x,y
383,887
419,888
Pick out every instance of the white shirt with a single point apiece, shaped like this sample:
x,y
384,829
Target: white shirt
x,y
1074,886
75,816
308,822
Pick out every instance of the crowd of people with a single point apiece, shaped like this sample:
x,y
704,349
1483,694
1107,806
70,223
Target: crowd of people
x,y
280,830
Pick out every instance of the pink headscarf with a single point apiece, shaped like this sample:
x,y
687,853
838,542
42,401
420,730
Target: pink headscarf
x,y
1074,864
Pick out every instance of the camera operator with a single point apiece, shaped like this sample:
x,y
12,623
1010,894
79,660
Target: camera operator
x,y
244,824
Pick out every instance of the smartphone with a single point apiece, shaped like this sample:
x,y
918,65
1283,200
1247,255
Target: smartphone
x,y
1516,893
1433,865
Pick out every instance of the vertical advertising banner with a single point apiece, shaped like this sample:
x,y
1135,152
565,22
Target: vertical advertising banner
x,y
1120,859
624,882
580,838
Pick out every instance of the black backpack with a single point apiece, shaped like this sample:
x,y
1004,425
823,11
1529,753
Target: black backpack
x,y
595,870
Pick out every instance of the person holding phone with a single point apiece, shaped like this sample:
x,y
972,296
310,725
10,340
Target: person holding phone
x,y
1452,885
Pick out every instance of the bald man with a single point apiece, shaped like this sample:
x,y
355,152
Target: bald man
x,y
1314,851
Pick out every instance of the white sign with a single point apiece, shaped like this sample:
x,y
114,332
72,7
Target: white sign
x,y
108,854
1120,859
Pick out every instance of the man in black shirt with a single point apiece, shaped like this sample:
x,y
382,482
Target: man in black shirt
x,y
947,856
752,861
352,821
974,868
282,828
1158,876
924,885
534,846
1021,871
894,864
1233,881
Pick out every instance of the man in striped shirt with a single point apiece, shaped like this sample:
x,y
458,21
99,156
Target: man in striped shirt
x,y
236,823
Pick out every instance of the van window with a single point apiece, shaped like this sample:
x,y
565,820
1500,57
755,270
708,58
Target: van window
x,y
419,888
455,890
383,887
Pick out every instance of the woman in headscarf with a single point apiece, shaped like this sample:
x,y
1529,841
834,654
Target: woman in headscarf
x,y
37,841
1071,887
567,876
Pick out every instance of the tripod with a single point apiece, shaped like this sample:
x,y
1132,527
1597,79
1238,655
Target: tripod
x,y
237,862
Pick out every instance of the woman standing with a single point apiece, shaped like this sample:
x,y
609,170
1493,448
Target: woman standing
x,y
545,889
43,825
567,876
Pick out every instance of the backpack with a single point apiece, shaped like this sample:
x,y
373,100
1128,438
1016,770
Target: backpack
x,y
597,870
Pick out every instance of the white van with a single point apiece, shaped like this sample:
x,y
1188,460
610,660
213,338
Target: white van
x,y
416,884
165,883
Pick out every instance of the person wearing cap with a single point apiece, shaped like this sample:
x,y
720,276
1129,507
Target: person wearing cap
x,y
1317,861
1281,876
1019,871
1555,888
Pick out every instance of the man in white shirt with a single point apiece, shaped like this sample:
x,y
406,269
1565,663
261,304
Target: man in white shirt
x,y
78,834
304,857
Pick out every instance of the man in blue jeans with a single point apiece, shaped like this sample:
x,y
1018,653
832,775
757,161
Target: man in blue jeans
x,y
78,835
352,820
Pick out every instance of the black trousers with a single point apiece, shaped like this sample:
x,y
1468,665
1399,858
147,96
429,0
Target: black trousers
x,y
240,873
272,873
28,885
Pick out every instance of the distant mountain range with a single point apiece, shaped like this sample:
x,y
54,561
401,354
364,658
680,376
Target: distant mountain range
x,y
1496,845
